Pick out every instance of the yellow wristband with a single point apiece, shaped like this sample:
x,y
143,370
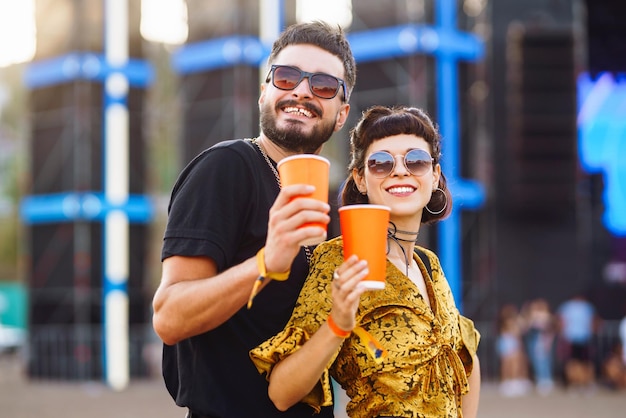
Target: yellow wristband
x,y
260,262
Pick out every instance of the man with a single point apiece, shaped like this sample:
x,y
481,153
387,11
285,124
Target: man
x,y
226,206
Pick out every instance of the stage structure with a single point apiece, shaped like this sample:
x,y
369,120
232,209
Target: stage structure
x,y
87,212
219,68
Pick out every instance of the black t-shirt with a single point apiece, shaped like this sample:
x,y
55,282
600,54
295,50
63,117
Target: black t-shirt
x,y
219,208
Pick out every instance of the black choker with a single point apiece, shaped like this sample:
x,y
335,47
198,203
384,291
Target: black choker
x,y
392,231
391,234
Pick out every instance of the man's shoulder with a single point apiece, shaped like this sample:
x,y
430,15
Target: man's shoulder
x,y
240,146
220,152
235,144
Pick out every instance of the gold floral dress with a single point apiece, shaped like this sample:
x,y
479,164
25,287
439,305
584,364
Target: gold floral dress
x,y
429,351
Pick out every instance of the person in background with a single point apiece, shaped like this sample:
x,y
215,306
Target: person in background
x,y
578,323
622,336
510,348
401,351
614,365
540,335
230,222
614,368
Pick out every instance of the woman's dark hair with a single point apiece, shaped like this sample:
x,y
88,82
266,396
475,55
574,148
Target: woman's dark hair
x,y
379,122
321,34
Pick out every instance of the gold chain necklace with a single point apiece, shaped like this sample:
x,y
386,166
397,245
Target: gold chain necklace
x,y
255,141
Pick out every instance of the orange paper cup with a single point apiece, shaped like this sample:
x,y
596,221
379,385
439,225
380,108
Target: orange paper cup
x,y
364,230
307,169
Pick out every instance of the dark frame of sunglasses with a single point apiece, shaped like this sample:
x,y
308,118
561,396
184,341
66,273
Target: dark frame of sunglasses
x,y
387,173
305,74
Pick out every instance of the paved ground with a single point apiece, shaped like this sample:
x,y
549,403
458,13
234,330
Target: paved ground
x,y
21,398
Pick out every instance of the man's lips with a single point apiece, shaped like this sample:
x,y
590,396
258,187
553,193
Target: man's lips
x,y
292,110
305,109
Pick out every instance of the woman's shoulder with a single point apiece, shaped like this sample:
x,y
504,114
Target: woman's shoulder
x,y
330,249
333,242
432,257
331,245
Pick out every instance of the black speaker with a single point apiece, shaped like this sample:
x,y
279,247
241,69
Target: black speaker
x,y
606,31
541,114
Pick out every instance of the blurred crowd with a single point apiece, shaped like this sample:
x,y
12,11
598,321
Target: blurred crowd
x,y
540,348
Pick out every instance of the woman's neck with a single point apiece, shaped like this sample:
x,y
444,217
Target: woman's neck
x,y
396,253
401,239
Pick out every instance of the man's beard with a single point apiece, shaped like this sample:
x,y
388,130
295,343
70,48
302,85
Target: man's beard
x,y
292,138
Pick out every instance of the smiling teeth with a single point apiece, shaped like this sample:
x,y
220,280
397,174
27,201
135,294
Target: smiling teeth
x,y
400,190
303,112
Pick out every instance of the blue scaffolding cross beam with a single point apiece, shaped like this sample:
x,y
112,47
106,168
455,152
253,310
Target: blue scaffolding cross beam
x,y
372,45
85,66
82,206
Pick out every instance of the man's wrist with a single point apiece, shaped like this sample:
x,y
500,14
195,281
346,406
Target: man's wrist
x,y
260,262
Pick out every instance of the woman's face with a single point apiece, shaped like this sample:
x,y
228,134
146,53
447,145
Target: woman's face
x,y
404,192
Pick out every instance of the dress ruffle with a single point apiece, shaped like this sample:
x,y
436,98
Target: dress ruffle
x,y
283,344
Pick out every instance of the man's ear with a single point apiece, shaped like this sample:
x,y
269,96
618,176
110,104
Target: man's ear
x,y
342,116
261,95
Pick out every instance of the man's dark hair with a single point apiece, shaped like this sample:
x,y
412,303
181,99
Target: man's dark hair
x,y
325,36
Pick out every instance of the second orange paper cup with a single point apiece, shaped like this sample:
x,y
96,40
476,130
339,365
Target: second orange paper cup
x,y
364,231
307,169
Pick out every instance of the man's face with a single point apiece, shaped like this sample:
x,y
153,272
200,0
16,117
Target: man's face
x,y
297,120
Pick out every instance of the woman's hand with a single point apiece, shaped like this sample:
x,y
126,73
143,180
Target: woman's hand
x,y
347,290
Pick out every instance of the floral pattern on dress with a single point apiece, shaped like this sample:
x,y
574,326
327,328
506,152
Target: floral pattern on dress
x,y
429,350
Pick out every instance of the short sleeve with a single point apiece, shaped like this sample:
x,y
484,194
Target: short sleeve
x,y
285,343
470,337
311,310
205,217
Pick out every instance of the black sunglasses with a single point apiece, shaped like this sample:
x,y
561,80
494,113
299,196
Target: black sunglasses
x,y
417,162
322,85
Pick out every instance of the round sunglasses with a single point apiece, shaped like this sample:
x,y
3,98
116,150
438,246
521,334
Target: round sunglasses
x,y
322,85
417,162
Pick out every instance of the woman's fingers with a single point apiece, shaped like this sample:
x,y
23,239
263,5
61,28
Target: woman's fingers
x,y
346,292
350,273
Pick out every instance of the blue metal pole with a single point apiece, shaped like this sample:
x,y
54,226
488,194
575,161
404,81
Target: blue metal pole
x,y
447,113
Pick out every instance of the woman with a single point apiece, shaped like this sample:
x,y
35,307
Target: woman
x,y
430,368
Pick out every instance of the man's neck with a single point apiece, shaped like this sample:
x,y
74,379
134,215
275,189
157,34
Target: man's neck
x,y
275,152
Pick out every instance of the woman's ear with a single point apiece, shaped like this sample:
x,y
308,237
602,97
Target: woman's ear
x,y
359,180
436,175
